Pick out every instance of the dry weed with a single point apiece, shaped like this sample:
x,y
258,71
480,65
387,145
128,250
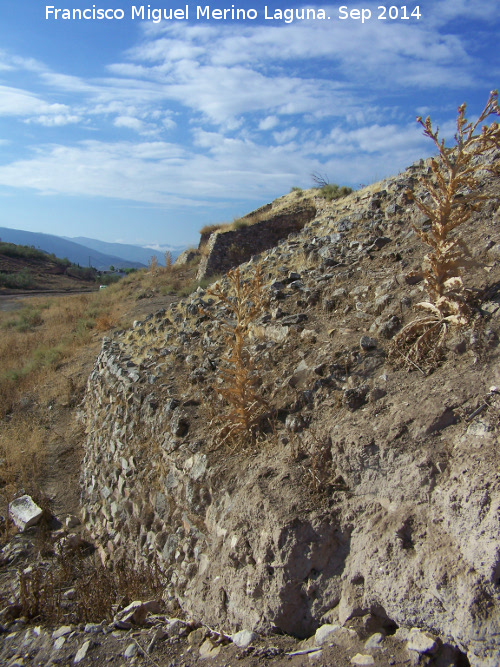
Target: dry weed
x,y
452,197
153,265
104,322
168,261
98,591
243,302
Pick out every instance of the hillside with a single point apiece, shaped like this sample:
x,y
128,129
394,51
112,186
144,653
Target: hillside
x,y
24,268
362,514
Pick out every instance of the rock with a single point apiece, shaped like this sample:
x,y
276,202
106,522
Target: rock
x,y
71,521
62,631
308,336
130,651
81,653
196,637
367,343
136,612
93,628
315,655
376,394
381,241
422,642
59,643
179,424
360,659
244,638
325,634
24,512
208,650
294,319
375,640
175,627
354,398
389,328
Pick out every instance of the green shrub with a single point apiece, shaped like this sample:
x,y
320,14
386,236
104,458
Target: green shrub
x,y
332,191
21,280
26,320
239,223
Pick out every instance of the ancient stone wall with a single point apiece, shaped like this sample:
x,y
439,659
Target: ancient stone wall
x,y
374,496
227,249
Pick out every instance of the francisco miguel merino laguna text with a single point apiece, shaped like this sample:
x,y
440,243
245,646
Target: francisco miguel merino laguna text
x,y
200,12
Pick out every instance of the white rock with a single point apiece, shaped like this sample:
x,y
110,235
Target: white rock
x,y
24,512
60,632
375,640
325,633
422,642
315,655
360,659
81,653
208,650
59,643
130,651
244,638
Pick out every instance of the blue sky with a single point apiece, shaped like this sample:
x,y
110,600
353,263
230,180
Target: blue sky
x,y
142,132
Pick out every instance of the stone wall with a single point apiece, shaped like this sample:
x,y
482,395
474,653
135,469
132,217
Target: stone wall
x,y
227,249
384,507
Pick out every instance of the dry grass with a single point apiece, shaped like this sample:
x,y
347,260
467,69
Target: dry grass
x,y
39,343
237,223
98,591
36,339
452,196
36,342
21,452
210,229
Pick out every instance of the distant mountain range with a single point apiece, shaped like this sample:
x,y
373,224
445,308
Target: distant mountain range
x,y
131,253
89,252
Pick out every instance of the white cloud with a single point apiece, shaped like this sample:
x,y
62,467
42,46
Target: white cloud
x,y
18,102
129,122
285,136
56,120
219,86
268,123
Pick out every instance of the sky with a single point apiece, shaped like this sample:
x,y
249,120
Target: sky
x,y
142,131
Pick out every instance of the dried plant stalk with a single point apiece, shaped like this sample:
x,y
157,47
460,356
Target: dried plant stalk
x,y
244,301
452,197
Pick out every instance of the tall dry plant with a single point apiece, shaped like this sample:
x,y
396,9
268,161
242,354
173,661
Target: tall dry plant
x,y
153,265
244,301
168,261
452,197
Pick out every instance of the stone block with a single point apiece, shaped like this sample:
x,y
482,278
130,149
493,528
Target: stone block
x,y
24,512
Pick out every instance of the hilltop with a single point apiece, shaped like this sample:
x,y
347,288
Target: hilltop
x,y
366,502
